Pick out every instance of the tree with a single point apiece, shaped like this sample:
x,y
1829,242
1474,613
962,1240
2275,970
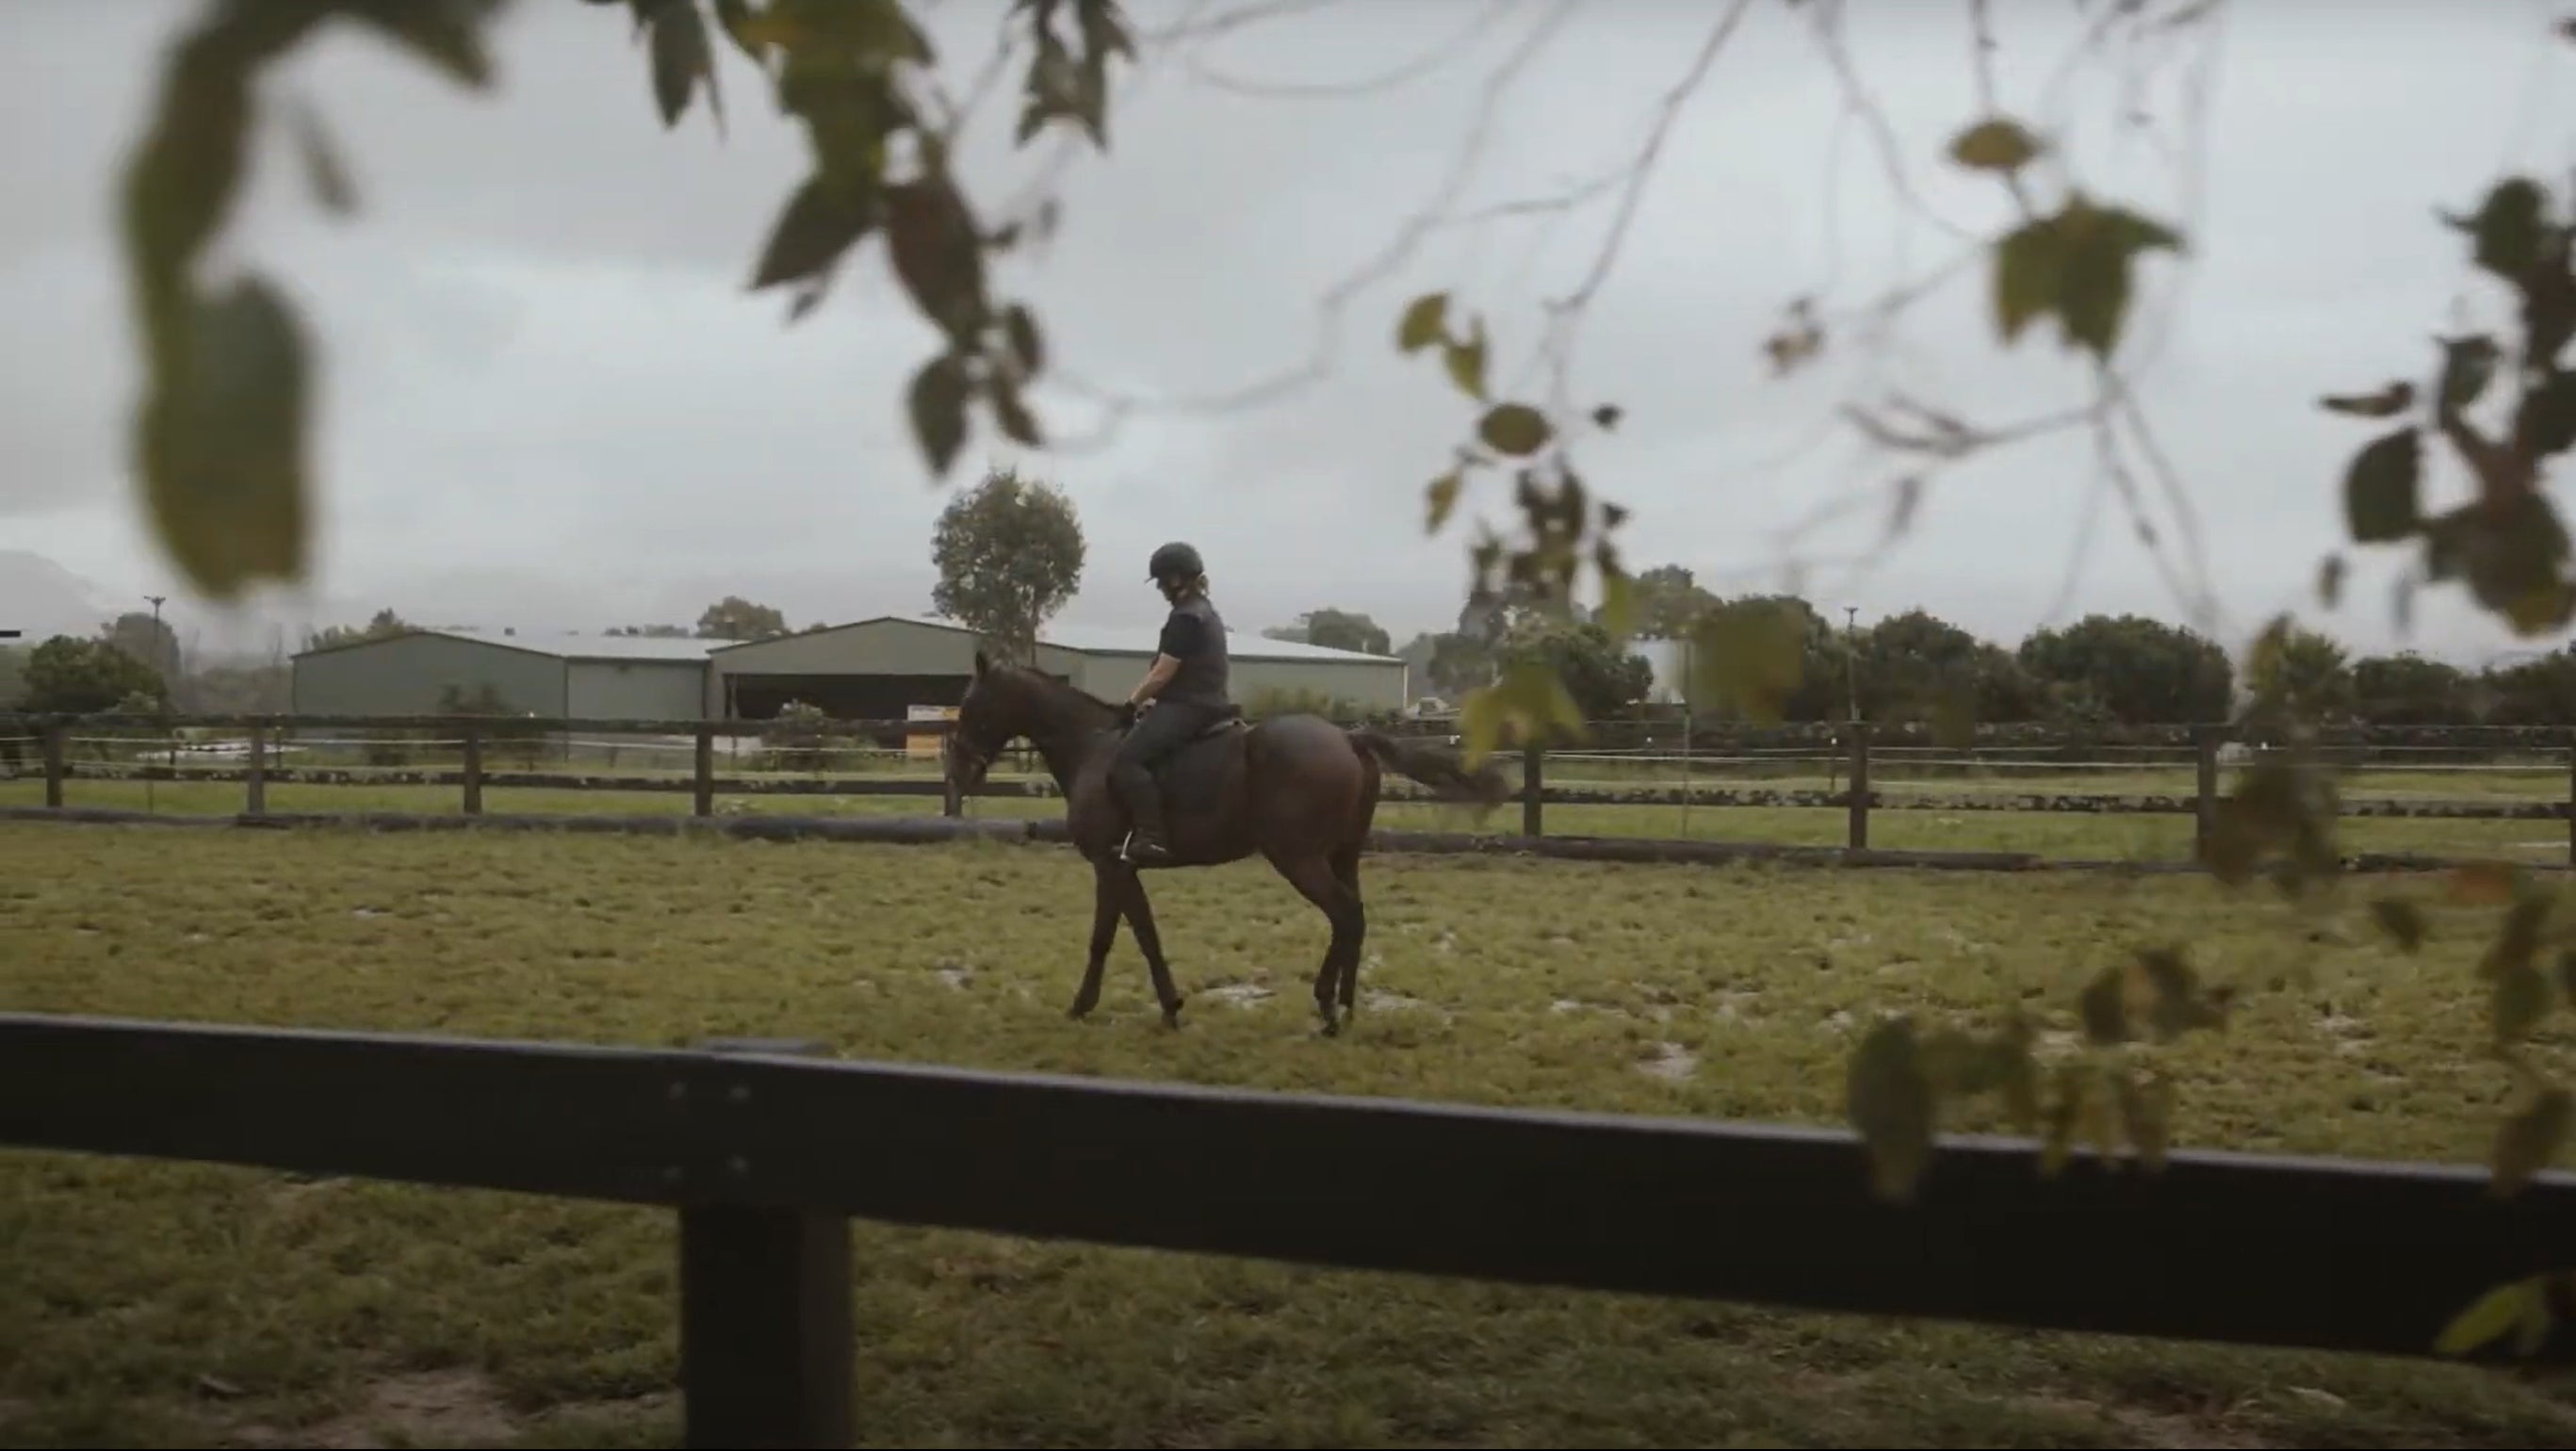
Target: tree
x,y
1603,679
736,618
651,632
147,638
1666,600
2301,672
2409,689
384,626
71,676
2141,670
1919,667
1010,554
1336,630
13,676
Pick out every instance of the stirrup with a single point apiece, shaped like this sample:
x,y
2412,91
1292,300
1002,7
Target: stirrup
x,y
1127,848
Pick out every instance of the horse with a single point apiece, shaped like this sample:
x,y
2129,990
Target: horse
x,y
1297,789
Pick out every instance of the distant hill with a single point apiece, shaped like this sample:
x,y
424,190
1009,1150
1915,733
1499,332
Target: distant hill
x,y
42,598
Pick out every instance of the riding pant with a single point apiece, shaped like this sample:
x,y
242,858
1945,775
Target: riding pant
x,y
1157,735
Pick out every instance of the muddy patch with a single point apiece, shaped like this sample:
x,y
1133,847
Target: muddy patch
x,y
955,976
1670,1062
1239,994
437,1408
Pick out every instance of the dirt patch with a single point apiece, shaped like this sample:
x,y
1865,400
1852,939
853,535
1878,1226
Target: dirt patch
x,y
1669,1061
439,1408
1239,994
2156,1430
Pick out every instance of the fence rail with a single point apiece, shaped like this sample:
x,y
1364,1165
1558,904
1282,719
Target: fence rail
x,y
1855,742
766,1150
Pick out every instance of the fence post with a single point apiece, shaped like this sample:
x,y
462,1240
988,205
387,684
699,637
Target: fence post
x,y
767,1344
2571,800
255,789
54,742
2204,741
1533,787
1859,833
473,769
704,803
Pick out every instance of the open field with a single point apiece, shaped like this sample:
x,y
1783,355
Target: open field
x,y
2100,836
175,1304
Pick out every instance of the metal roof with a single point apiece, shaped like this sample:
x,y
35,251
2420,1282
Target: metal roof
x,y
567,645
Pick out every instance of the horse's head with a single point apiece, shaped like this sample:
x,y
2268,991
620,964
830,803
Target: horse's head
x,y
992,712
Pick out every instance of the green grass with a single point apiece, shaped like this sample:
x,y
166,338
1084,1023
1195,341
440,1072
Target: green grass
x,y
165,1304
2053,834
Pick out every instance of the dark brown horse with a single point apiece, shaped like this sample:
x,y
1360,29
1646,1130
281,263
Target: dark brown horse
x,y
1298,789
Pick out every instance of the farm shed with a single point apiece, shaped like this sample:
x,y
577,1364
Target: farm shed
x,y
598,677
878,669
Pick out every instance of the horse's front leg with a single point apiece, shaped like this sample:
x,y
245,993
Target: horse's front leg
x,y
1140,916
1105,898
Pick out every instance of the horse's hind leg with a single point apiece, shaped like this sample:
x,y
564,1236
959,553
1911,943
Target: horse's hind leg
x,y
1346,870
1315,880
1140,917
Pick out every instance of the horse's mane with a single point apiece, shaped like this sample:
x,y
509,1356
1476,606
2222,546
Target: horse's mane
x,y
1046,684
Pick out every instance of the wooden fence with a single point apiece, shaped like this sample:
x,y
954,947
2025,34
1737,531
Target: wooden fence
x,y
766,1150
1858,799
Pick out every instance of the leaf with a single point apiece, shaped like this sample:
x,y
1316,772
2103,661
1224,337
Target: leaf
x,y
1028,345
446,33
1018,424
2388,402
2094,284
2485,883
2030,264
2519,1002
2171,994
2488,1317
1889,1099
1515,429
1999,144
2545,424
2468,365
2527,1140
1618,613
681,58
2057,1136
2380,488
744,29
323,169
937,402
2104,1009
2402,920
1525,704
1466,361
931,242
222,443
1442,496
1749,655
2330,580
1425,321
820,222
2531,1331
2148,1112
1607,416
2509,227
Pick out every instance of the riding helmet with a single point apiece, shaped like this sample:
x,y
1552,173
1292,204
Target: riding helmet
x,y
1175,561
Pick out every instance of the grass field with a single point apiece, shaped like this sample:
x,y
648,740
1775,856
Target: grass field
x,y
2064,835
163,1304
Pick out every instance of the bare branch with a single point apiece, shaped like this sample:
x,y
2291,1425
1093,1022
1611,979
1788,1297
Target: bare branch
x,y
1392,78
1195,27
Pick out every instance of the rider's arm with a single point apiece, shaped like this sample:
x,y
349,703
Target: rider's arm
x,y
1180,638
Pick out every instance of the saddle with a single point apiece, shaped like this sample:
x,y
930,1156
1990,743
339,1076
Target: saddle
x,y
1229,722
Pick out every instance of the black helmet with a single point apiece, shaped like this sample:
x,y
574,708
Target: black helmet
x,y
1175,561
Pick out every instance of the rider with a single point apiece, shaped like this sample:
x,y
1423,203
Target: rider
x,y
1187,688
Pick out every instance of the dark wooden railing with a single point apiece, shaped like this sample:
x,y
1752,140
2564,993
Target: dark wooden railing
x,y
765,1151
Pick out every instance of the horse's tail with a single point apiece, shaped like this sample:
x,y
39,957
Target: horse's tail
x,y
1437,767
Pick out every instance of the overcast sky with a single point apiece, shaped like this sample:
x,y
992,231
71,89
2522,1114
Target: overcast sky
x,y
551,403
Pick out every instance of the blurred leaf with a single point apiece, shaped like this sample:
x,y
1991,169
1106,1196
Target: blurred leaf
x,y
1425,321
2171,995
681,58
2388,402
820,222
2531,1329
2545,424
2468,366
1017,423
2528,1139
2094,284
2490,1316
2000,144
2517,942
1607,416
1891,1104
938,407
2519,1002
323,169
2402,920
2057,1138
1618,613
2104,1008
1515,429
1466,361
1028,345
2330,580
2030,264
446,33
2508,227
221,441
2485,883
2148,1111
2380,488
744,30
1442,496
1525,705
931,241
1749,655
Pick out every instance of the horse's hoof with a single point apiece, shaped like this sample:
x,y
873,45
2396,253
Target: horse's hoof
x,y
1079,1011
1172,1018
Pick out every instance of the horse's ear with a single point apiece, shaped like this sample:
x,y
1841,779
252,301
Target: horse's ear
x,y
981,665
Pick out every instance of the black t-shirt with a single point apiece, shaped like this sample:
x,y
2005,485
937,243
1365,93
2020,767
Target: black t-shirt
x,y
1195,636
1184,635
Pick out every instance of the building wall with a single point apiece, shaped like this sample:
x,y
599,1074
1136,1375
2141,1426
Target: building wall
x,y
635,689
1369,684
406,675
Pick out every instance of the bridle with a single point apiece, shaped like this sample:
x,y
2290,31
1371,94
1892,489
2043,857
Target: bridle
x,y
966,758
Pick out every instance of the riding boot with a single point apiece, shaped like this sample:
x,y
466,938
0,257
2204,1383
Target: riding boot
x,y
1145,846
